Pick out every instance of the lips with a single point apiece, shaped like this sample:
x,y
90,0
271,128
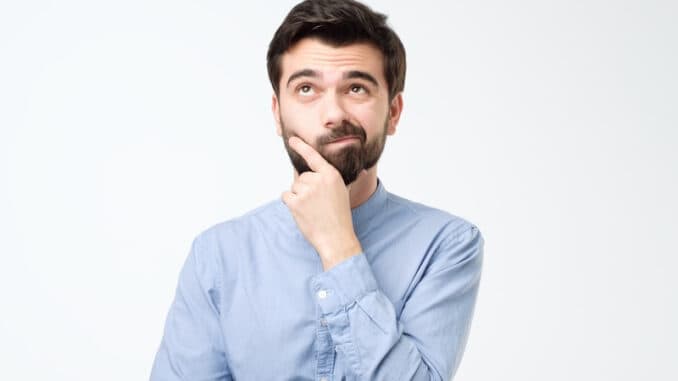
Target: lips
x,y
343,138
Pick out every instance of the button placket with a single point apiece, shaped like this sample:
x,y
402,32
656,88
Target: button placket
x,y
324,345
325,348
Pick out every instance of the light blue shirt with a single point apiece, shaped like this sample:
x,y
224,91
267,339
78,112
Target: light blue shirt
x,y
253,301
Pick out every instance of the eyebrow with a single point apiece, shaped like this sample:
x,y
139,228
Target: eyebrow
x,y
353,74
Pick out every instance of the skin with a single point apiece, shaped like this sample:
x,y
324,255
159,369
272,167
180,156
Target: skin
x,y
311,104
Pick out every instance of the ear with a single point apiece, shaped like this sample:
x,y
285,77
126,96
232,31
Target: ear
x,y
394,112
275,107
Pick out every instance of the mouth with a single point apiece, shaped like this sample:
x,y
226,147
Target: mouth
x,y
345,139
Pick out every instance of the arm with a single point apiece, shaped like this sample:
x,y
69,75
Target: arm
x,y
192,346
428,341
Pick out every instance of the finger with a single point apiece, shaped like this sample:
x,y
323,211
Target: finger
x,y
288,198
307,177
299,188
314,160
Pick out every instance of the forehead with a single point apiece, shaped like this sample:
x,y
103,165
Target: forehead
x,y
331,61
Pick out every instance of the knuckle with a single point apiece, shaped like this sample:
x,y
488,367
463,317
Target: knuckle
x,y
334,176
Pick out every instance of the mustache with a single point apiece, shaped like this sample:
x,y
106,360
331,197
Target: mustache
x,y
346,129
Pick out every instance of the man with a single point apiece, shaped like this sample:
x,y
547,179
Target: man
x,y
338,279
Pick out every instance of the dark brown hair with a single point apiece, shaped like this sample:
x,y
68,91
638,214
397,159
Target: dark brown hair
x,y
338,23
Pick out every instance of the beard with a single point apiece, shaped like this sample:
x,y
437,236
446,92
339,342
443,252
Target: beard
x,y
349,160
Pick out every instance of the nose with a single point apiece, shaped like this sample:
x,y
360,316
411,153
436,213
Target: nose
x,y
333,112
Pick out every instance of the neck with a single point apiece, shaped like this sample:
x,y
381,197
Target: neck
x,y
362,188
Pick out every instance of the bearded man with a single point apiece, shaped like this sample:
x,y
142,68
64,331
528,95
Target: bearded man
x,y
337,279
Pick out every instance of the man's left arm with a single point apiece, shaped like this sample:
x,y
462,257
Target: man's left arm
x,y
428,339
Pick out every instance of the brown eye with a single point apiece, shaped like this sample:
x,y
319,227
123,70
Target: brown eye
x,y
358,89
305,89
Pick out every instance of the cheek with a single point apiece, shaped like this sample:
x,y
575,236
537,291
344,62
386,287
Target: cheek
x,y
372,119
298,122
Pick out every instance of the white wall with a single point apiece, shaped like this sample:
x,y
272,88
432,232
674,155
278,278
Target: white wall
x,y
127,127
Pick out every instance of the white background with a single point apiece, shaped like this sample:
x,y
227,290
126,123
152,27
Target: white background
x,y
128,127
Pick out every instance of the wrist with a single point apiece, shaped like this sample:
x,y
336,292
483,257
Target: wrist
x,y
333,254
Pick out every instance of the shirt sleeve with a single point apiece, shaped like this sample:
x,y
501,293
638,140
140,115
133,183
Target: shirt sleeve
x,y
192,345
427,341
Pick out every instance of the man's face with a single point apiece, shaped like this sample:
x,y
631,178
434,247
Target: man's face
x,y
336,100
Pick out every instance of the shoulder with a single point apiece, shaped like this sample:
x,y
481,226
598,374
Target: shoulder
x,y
442,221
211,245
453,239
240,225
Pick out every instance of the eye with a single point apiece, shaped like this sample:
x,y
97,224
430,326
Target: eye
x,y
305,90
358,89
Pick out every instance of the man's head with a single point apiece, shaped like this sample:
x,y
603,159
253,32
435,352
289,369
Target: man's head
x,y
337,70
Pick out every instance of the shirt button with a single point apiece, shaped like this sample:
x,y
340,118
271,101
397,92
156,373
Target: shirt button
x,y
322,294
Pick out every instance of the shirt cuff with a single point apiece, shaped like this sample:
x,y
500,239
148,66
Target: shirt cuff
x,y
343,284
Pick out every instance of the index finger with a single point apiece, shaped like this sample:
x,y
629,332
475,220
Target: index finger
x,y
315,161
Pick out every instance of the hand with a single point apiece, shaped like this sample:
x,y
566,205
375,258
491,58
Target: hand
x,y
320,204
